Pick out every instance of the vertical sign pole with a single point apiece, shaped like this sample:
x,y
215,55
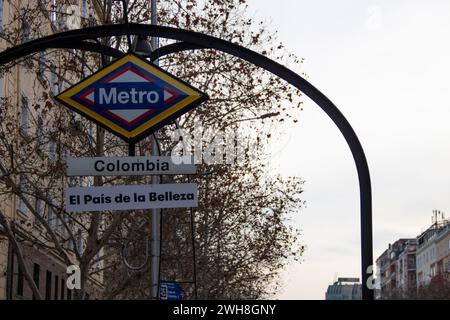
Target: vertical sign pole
x,y
131,149
156,213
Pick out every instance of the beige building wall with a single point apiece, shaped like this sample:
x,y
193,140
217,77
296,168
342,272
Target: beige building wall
x,y
433,253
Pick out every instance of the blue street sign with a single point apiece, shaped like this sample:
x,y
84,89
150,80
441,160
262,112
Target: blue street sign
x,y
170,291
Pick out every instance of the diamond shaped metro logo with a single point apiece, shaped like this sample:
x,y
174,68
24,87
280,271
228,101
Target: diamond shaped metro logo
x,y
131,97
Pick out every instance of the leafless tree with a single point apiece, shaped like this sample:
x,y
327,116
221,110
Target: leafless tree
x,y
242,234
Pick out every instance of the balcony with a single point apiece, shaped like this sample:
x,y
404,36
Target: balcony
x,y
412,266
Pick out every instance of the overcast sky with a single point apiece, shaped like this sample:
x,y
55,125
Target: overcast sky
x,y
385,64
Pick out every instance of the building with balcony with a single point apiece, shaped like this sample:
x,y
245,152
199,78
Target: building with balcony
x,y
411,264
406,267
396,268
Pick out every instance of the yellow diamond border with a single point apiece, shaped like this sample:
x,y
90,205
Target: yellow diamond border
x,y
193,95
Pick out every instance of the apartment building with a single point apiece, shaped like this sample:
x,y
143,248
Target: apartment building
x,y
396,268
23,88
383,266
410,264
406,267
433,252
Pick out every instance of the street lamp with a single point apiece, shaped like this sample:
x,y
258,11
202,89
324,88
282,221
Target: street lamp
x,y
141,46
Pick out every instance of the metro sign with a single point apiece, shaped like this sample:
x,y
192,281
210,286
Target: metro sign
x,y
131,97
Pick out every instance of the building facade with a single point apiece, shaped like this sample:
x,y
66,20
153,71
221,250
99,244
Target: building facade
x,y
344,289
396,270
411,264
433,252
443,251
406,267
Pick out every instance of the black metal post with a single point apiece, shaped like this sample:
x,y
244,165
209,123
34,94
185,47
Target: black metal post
x,y
194,254
131,149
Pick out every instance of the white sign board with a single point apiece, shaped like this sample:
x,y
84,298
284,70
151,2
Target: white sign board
x,y
130,166
131,197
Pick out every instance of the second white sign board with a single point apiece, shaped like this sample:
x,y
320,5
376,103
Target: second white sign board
x,y
131,197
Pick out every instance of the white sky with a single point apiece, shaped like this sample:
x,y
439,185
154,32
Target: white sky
x,y
385,64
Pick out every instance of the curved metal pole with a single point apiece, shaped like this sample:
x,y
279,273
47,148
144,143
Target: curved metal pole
x,y
173,48
205,41
91,47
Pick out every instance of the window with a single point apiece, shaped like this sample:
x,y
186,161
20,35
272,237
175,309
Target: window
x,y
24,114
51,217
41,63
70,225
61,228
61,85
23,190
39,133
72,230
90,133
62,289
39,207
48,285
80,241
60,17
36,276
2,92
26,29
56,288
20,277
52,150
84,8
1,14
53,11
433,271
53,80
